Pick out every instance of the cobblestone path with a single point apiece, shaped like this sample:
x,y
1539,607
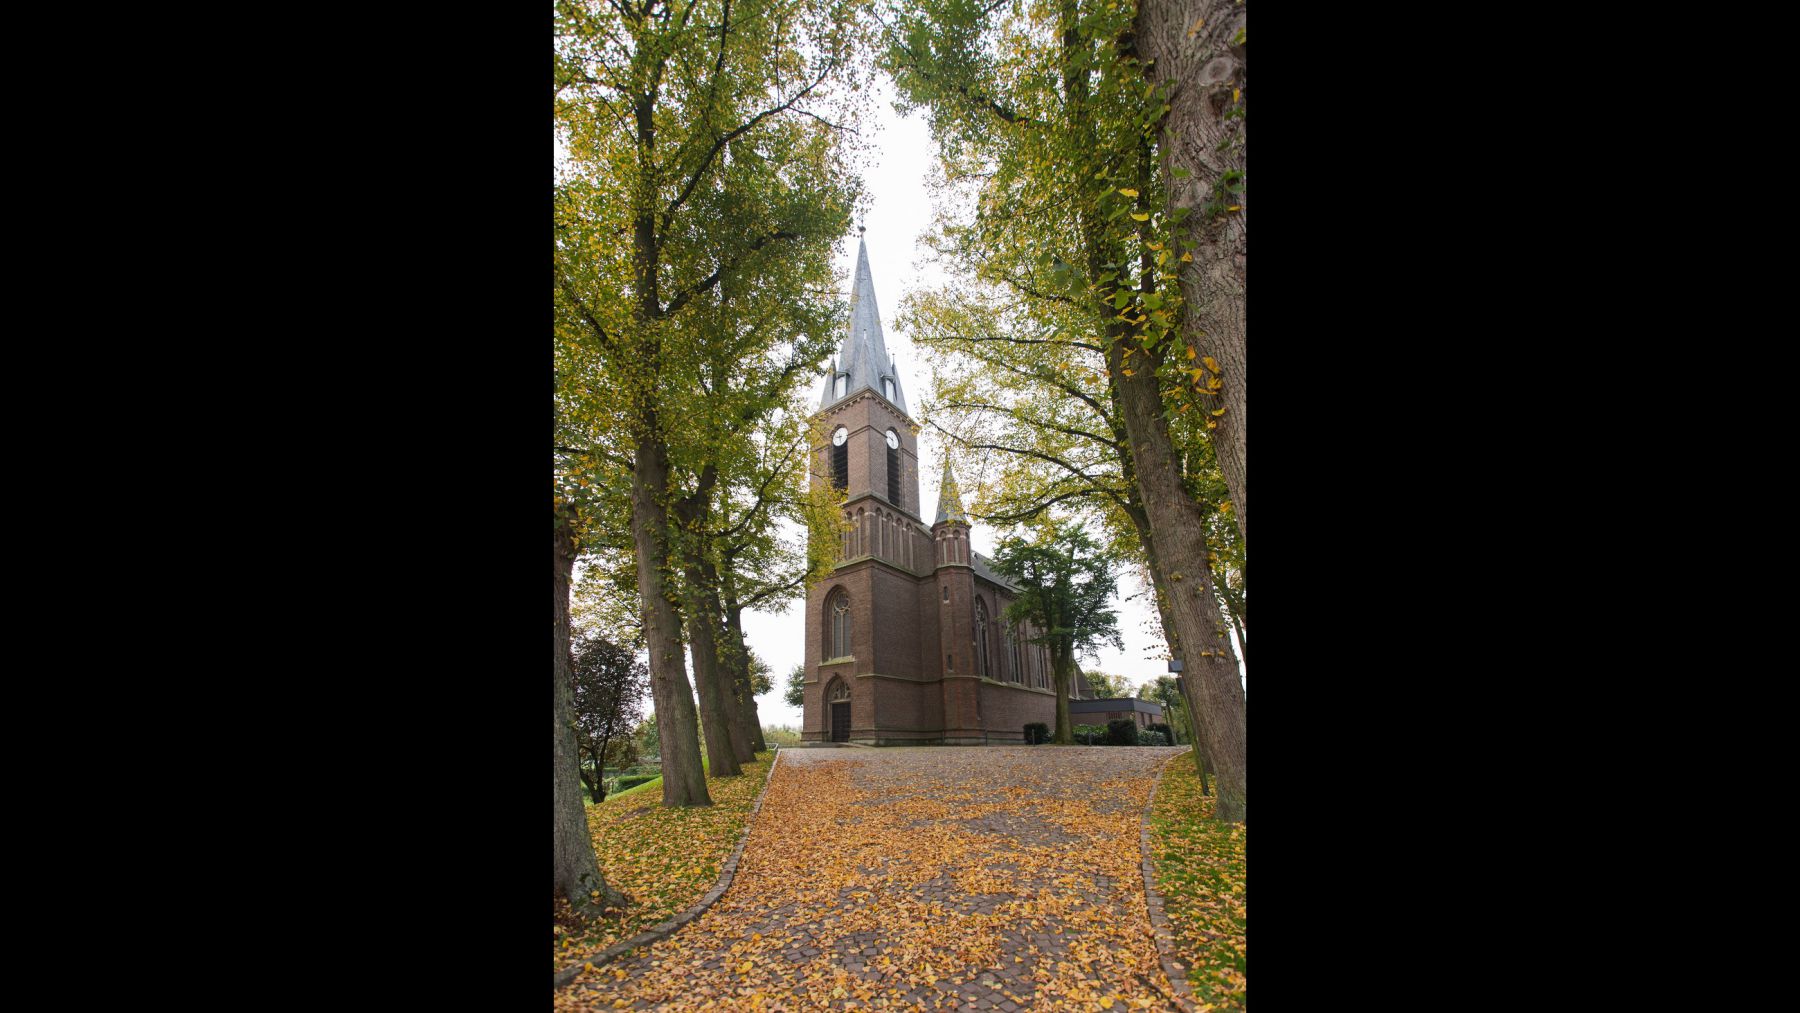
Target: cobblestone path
x,y
968,878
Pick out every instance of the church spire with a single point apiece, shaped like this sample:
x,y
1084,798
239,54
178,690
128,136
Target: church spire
x,y
950,506
862,358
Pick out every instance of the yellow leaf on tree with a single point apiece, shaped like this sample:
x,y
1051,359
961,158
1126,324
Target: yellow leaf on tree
x,y
1219,412
1190,353
1130,373
1141,218
1128,193
1212,364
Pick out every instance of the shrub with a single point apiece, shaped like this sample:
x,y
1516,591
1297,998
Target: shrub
x,y
627,781
1121,732
1090,735
1167,734
1151,737
1037,732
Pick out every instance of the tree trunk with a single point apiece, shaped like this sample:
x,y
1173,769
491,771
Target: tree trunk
x,y
600,766
684,781
1204,135
578,876
1062,664
715,713
593,781
733,670
1211,678
734,630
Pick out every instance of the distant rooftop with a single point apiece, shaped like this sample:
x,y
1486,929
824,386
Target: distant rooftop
x,y
1115,703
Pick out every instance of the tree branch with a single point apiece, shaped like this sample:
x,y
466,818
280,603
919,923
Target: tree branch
x,y
712,279
718,145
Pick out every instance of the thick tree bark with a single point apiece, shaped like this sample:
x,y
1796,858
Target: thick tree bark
x,y
732,670
1190,47
726,744
1211,677
1178,554
595,779
1062,665
578,876
684,780
734,630
715,714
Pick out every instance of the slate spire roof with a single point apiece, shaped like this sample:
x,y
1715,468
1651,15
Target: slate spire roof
x,y
950,506
863,353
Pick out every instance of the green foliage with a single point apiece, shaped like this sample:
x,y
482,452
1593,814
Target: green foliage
x,y
1199,868
795,694
649,743
1037,732
625,782
1052,217
1108,686
1166,691
1066,583
760,682
781,735
1121,732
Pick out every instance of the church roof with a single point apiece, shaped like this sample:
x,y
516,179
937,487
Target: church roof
x,y
984,568
950,506
862,353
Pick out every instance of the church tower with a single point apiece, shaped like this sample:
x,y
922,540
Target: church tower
x,y
863,620
906,638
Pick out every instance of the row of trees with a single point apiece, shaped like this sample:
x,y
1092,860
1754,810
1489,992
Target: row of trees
x,y
705,171
702,180
1094,211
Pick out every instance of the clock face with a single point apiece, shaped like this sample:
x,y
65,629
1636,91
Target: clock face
x,y
893,440
838,438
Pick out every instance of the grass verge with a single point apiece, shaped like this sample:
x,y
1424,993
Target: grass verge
x,y
663,859
1199,866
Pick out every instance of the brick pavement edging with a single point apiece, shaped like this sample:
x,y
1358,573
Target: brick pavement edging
x,y
664,929
1173,969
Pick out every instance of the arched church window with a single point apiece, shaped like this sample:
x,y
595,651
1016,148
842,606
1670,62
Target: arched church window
x,y
840,691
1012,642
838,612
981,638
840,458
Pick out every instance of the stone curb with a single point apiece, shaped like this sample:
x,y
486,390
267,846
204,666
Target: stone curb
x,y
663,929
1159,921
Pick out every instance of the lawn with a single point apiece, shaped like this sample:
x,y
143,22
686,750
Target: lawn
x,y
663,859
1199,866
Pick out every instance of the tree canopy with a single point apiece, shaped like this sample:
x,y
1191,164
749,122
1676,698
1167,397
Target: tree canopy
x,y
1065,587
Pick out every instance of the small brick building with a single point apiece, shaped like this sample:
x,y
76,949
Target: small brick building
x,y
906,643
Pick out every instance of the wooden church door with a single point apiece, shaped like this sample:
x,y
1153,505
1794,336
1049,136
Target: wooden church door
x,y
840,713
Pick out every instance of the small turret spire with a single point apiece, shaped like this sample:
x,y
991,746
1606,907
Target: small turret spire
x,y
950,506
